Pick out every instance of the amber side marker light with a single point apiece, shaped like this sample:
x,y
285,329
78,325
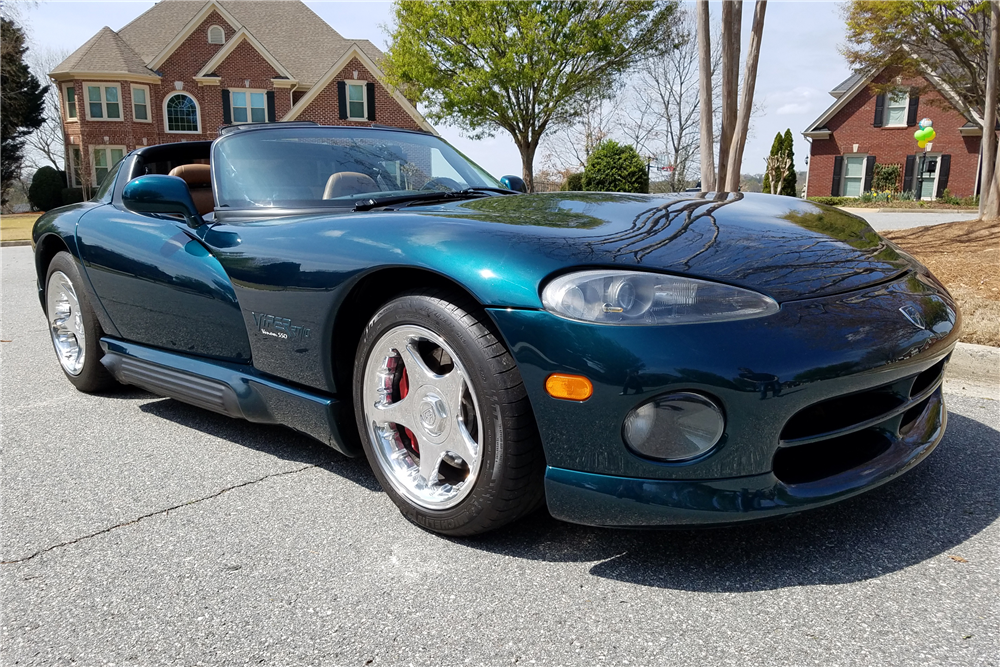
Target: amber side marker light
x,y
569,387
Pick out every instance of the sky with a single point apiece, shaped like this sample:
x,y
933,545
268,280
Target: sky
x,y
799,63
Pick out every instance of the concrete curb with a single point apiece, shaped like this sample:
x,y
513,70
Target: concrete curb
x,y
858,210
974,370
6,244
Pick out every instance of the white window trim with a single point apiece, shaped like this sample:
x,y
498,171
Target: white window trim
x,y
232,106
166,122
906,109
937,174
73,166
65,91
208,34
93,163
364,98
104,101
149,106
843,173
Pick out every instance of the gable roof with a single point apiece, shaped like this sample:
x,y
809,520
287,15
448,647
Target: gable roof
x,y
242,36
850,87
288,30
104,52
355,51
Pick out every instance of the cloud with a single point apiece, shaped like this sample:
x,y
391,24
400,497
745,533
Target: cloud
x,y
798,100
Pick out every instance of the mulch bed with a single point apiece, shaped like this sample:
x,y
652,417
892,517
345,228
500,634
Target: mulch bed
x,y
965,256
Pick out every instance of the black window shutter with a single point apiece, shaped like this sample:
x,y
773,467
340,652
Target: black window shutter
x,y
879,110
270,107
371,101
869,172
909,177
227,112
342,99
911,111
838,166
944,170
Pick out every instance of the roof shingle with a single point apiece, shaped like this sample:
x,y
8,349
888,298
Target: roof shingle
x,y
104,52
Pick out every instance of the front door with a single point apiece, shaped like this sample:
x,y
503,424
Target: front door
x,y
160,285
930,168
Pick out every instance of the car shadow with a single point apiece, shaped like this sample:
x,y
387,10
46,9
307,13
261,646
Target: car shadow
x,y
279,441
928,512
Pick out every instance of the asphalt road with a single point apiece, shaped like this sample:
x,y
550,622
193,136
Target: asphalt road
x,y
140,531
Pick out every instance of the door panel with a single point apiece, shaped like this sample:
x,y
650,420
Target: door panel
x,y
160,286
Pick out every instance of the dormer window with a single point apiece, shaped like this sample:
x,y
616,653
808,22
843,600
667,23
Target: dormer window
x,y
216,35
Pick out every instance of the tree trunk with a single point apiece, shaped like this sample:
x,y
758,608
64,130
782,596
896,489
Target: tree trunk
x,y
732,14
705,97
739,138
527,149
989,177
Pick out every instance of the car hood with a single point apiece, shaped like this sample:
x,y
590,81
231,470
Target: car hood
x,y
783,247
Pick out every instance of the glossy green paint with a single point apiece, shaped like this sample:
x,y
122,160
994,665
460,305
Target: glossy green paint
x,y
261,299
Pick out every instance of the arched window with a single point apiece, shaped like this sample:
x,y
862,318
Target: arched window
x,y
181,112
216,35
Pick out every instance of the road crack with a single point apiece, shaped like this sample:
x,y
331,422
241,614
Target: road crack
x,y
132,522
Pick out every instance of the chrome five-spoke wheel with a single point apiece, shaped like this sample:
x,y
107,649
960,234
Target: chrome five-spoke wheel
x,y
66,323
423,417
444,416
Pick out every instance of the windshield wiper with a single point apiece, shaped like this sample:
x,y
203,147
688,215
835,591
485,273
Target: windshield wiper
x,y
467,193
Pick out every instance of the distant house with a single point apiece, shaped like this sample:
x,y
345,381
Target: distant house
x,y
861,129
184,68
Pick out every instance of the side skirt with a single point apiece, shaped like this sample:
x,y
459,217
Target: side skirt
x,y
229,389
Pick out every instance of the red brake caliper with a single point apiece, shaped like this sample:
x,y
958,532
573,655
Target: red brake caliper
x,y
404,389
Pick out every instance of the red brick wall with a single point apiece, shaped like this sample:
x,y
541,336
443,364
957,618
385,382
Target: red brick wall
x,y
245,62
324,108
853,124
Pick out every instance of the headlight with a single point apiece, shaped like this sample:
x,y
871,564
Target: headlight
x,y
635,298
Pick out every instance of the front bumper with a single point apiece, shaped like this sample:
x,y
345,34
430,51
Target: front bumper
x,y
845,353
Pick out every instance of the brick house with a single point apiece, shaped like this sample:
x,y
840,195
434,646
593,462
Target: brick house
x,y
184,68
861,128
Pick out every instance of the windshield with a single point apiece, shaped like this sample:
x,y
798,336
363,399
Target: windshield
x,y
330,166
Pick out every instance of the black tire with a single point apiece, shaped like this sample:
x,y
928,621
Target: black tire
x,y
93,376
510,462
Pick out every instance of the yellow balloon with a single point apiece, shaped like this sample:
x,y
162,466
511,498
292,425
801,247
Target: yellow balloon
x,y
922,143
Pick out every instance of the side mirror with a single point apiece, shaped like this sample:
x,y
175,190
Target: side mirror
x,y
515,183
157,193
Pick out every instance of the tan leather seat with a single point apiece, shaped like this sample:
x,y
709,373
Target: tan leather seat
x,y
199,181
345,183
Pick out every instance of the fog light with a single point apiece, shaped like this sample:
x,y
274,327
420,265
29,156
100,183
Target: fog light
x,y
674,427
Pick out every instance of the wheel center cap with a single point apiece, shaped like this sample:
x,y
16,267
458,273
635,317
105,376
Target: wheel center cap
x,y
433,414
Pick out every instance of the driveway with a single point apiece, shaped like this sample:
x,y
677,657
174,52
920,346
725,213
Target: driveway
x,y
139,530
885,220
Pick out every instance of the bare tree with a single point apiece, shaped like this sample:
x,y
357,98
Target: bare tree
x,y
732,14
672,82
705,95
46,145
989,196
570,146
746,102
777,167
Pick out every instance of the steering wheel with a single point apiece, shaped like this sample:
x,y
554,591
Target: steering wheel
x,y
443,184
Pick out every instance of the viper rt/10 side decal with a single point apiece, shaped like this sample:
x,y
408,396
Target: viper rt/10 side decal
x,y
279,327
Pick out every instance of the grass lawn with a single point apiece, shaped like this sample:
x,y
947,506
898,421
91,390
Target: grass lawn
x,y
965,256
17,227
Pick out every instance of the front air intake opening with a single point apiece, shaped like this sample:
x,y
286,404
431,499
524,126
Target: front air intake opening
x,y
841,412
810,463
927,378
